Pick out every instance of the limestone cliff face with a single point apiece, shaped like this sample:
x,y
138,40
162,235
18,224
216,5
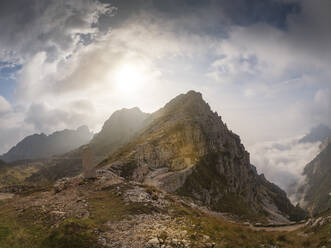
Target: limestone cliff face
x,y
186,148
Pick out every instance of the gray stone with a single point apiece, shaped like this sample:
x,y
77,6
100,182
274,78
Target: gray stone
x,y
89,170
61,184
153,243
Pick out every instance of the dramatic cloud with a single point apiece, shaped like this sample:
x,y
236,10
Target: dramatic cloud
x,y
283,161
264,64
55,27
37,37
45,118
4,105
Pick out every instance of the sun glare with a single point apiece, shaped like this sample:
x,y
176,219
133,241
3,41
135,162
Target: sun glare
x,y
129,78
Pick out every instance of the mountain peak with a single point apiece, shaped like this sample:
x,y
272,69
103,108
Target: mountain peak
x,y
191,96
124,115
185,148
190,103
83,129
118,129
192,93
128,110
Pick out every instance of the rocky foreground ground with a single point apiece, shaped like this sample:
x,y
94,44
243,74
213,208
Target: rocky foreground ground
x,y
111,212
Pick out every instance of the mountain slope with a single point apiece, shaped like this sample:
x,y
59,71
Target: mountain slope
x,y
314,194
187,149
118,130
42,146
111,212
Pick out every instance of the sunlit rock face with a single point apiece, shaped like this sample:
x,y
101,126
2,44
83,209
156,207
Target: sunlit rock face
x,y
186,148
43,146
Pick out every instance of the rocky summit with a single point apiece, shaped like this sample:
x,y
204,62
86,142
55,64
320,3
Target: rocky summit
x,y
185,148
118,130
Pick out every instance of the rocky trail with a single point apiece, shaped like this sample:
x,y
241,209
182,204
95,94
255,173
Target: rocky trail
x,y
283,228
4,196
279,227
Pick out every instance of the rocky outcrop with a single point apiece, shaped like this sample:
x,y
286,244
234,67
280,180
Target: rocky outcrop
x,y
318,221
39,146
186,148
325,143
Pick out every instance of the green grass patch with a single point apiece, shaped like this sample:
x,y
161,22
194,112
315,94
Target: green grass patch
x,y
72,233
107,205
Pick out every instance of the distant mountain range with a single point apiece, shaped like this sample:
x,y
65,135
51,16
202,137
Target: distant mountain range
x,y
39,146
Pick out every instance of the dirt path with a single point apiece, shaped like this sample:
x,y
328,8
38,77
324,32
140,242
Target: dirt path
x,y
288,228
4,196
284,228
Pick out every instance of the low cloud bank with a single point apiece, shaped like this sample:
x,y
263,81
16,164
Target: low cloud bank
x,y
283,161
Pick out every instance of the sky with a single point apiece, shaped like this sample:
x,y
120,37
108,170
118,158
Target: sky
x,y
264,66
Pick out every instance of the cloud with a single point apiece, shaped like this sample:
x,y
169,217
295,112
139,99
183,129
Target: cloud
x,y
323,98
55,27
4,105
282,69
253,68
44,119
283,161
12,128
37,37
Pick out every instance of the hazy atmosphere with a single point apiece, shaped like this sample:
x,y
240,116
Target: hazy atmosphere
x,y
165,124
264,66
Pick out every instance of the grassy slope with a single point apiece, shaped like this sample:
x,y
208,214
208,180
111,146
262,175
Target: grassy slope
x,y
11,174
36,229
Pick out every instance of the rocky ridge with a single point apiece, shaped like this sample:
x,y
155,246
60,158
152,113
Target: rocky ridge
x,y
185,148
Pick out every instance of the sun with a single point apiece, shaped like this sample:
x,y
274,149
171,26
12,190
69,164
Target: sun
x,y
129,77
